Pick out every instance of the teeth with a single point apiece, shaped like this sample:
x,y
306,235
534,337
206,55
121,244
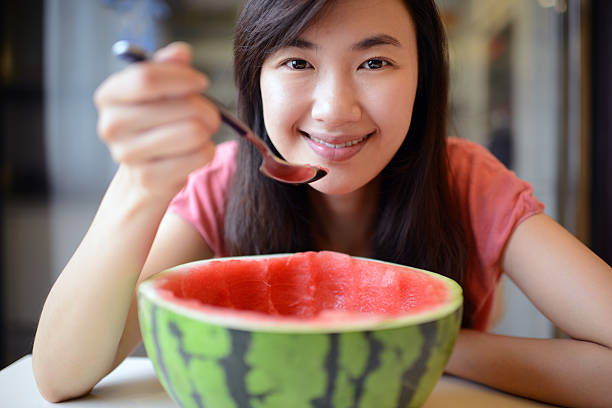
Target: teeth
x,y
338,146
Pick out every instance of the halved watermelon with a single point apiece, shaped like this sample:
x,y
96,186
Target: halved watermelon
x,y
318,329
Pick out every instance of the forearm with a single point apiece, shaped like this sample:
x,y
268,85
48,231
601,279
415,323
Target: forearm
x,y
560,371
84,315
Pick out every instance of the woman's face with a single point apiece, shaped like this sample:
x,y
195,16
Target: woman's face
x,y
341,97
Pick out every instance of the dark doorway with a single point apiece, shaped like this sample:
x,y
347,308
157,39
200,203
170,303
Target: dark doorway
x,y
601,198
24,168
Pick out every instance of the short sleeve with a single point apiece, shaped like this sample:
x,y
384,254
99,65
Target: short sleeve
x,y
203,200
494,201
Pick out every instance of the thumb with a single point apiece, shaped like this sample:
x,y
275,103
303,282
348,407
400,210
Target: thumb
x,y
179,52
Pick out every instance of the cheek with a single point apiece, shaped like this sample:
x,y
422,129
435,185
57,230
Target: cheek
x,y
391,108
402,114
281,105
272,98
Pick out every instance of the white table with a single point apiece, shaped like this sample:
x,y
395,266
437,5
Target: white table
x,y
134,384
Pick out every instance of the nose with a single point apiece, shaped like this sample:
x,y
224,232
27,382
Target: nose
x,y
335,100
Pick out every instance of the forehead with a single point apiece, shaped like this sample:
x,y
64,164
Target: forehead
x,y
360,18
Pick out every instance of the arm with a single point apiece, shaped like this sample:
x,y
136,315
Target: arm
x,y
159,129
572,287
89,322
164,254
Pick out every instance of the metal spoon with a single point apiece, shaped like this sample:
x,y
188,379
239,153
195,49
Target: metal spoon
x,y
272,165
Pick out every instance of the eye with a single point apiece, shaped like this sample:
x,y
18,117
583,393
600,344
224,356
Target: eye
x,y
297,64
374,63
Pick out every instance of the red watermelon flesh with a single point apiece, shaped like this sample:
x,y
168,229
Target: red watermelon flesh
x,y
419,292
198,285
292,293
378,289
247,285
334,278
306,284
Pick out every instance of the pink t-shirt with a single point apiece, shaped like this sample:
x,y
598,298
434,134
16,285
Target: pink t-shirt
x,y
493,202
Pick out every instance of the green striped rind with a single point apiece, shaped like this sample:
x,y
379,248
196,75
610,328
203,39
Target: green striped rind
x,y
202,364
448,329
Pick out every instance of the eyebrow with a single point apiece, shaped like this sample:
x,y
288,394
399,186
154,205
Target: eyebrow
x,y
368,42
379,39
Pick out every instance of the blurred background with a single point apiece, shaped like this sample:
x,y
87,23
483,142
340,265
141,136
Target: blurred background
x,y
530,80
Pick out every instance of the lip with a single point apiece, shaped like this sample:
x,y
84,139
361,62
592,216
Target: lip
x,y
336,148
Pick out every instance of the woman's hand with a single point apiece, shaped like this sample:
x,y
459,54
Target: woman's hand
x,y
155,121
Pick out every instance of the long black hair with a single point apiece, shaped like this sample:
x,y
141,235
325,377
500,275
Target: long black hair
x,y
418,223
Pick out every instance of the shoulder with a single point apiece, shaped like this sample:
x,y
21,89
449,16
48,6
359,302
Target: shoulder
x,y
466,156
491,198
214,179
226,150
203,200
224,159
219,172
482,182
477,174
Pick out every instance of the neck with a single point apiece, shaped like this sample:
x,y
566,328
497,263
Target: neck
x,y
345,223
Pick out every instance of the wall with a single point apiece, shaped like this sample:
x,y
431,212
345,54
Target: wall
x,y
535,89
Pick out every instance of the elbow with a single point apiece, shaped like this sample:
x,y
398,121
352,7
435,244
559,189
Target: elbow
x,y
50,391
50,384
51,394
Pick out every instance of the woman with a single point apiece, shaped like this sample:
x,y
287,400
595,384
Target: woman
x,y
358,87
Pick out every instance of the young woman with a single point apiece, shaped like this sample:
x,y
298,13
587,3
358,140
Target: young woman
x,y
358,87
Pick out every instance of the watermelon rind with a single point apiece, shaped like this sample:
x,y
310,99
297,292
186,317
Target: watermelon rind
x,y
203,360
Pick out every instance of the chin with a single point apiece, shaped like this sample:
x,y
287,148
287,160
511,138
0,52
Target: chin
x,y
331,185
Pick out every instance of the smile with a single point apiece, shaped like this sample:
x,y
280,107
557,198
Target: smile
x,y
339,145
336,152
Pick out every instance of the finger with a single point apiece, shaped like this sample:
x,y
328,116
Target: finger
x,y
117,122
149,81
174,139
